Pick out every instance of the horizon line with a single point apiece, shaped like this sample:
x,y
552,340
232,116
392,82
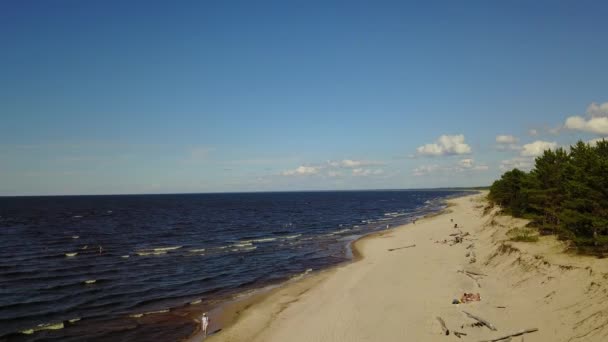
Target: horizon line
x,y
253,192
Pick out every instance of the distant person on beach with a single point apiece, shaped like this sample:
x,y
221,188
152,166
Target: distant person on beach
x,y
205,323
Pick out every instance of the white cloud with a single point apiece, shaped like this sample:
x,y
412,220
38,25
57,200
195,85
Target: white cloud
x,y
480,168
597,110
594,142
463,165
597,125
333,168
596,120
334,174
532,132
424,170
469,164
536,148
507,142
521,163
445,145
302,171
466,163
367,172
351,164
506,139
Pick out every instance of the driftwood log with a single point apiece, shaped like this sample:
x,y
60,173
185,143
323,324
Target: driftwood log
x,y
394,249
527,331
483,321
475,279
476,273
443,326
459,334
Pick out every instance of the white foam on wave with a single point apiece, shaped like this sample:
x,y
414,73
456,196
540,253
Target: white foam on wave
x,y
394,214
198,301
70,255
146,253
301,275
125,256
246,249
138,315
44,326
171,248
157,250
198,250
292,236
338,232
242,244
264,240
90,281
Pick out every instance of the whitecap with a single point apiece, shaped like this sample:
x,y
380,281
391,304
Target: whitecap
x,y
198,301
90,281
264,240
339,231
44,326
242,244
171,248
156,312
292,236
69,255
145,253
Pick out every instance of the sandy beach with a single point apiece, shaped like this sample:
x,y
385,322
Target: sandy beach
x,y
396,294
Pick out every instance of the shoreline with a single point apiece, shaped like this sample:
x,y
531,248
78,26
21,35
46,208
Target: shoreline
x,y
227,314
391,295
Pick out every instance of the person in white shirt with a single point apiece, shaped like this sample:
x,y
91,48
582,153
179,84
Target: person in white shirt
x,y
205,323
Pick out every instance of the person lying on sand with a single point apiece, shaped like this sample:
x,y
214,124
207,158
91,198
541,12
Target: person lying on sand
x,y
470,297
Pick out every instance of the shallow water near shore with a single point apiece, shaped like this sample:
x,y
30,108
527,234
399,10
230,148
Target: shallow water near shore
x,y
133,267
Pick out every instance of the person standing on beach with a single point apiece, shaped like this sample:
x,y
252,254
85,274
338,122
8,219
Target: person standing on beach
x,y
205,323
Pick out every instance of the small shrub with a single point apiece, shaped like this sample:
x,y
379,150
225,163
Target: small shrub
x,y
523,235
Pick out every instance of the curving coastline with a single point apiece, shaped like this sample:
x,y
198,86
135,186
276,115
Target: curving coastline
x,y
397,295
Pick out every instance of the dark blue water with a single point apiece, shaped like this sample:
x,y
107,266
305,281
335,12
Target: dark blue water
x,y
146,253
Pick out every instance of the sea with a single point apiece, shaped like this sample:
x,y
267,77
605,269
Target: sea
x,y
127,267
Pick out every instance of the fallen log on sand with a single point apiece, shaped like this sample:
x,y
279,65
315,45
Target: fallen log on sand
x,y
527,331
394,249
458,334
481,320
443,327
475,279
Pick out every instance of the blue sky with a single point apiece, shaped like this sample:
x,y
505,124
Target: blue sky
x,y
104,97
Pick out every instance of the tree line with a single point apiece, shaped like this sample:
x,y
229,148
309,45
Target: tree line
x,y
566,193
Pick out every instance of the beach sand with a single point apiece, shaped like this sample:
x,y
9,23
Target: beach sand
x,y
398,295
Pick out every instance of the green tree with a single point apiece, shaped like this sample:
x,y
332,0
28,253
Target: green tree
x,y
585,215
546,188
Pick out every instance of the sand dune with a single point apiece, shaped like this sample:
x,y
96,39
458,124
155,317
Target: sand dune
x,y
398,295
